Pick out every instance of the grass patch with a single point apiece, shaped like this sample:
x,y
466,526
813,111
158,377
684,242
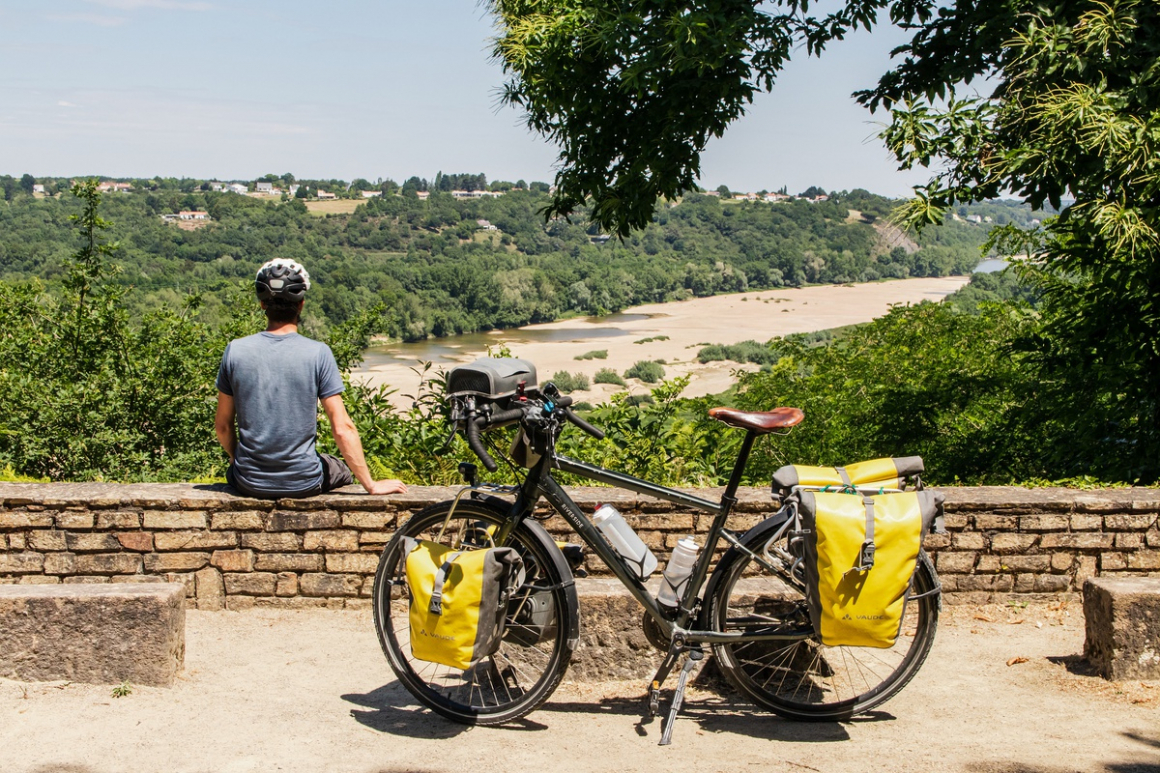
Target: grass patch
x,y
609,376
647,371
333,206
570,382
595,354
651,339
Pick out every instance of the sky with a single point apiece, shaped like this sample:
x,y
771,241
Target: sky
x,y
234,89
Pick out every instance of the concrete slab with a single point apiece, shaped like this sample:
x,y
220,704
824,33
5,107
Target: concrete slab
x,y
1122,626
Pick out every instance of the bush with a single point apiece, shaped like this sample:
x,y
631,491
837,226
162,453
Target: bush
x,y
651,339
595,354
570,382
745,351
609,376
647,371
635,400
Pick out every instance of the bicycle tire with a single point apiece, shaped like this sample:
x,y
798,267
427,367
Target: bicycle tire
x,y
532,656
804,679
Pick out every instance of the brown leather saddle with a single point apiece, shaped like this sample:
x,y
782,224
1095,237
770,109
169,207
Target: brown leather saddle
x,y
760,422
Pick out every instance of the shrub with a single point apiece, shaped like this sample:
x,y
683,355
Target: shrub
x,y
595,354
609,376
647,371
570,382
651,339
640,400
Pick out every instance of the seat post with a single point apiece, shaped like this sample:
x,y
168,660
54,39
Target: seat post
x,y
739,466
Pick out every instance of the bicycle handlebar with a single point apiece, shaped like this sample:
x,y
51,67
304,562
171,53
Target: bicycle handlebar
x,y
476,424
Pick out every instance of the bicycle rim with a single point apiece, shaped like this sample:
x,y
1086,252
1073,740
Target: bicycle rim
x,y
533,654
804,679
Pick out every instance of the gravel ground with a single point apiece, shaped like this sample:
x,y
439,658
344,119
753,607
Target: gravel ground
x,y
310,691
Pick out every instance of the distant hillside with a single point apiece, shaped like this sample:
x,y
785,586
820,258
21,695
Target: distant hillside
x,y
439,270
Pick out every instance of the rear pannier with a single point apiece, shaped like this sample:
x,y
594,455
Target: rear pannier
x,y
459,600
859,553
875,474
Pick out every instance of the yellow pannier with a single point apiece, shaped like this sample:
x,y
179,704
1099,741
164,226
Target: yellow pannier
x,y
859,555
459,600
887,473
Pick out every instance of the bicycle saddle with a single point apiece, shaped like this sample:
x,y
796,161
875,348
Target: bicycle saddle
x,y
760,422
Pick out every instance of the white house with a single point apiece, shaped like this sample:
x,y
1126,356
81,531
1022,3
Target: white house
x,y
38,188
485,225
111,187
237,188
219,187
422,195
322,195
371,194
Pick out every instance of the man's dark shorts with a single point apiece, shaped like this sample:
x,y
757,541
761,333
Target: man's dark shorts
x,y
335,474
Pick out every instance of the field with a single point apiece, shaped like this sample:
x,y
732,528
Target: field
x,y
333,206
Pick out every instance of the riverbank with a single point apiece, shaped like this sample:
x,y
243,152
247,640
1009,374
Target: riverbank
x,y
678,331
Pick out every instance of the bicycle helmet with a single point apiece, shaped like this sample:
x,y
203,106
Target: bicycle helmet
x,y
282,279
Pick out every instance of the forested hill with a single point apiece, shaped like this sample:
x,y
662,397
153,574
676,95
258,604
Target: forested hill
x,y
439,271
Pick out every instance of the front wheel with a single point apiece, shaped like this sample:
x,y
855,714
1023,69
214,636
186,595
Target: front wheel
x,y
800,678
542,621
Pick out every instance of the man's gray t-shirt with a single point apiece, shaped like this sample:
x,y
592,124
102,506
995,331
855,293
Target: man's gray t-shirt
x,y
276,382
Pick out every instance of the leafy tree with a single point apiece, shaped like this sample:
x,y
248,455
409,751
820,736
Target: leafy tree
x,y
27,182
724,191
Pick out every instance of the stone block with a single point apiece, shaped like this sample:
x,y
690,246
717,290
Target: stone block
x,y
957,521
1086,522
1122,626
96,542
969,540
312,584
288,562
280,520
74,520
251,583
273,543
992,522
103,634
1062,562
136,578
955,563
996,583
195,540
1128,541
175,562
368,520
612,642
85,579
233,560
359,563
1080,541
138,541
108,563
1034,563
1129,521
47,540
1086,569
60,563
932,542
338,541
174,519
18,541
241,521
287,584
1147,560
383,537
187,579
1051,583
21,563
1013,543
1152,538
25,520
210,593
1043,522
119,520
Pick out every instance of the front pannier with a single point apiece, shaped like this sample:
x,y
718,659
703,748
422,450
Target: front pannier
x,y
859,553
459,600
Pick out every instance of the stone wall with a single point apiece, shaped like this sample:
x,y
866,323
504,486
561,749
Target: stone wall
x,y
236,553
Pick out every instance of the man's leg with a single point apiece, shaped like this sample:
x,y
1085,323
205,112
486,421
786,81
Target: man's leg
x,y
335,473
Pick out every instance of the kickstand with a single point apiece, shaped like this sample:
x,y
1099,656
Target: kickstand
x,y
695,657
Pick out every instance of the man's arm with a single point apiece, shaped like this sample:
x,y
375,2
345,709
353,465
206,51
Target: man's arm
x,y
350,445
223,424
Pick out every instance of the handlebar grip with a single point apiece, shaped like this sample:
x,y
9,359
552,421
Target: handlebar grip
x,y
503,417
583,424
474,443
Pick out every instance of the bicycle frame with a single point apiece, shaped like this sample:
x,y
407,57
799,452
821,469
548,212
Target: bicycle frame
x,y
540,483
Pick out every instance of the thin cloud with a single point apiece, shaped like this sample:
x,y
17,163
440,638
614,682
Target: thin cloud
x,y
167,5
63,103
88,18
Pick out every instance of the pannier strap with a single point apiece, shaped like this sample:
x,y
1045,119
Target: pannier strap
x,y
866,555
436,606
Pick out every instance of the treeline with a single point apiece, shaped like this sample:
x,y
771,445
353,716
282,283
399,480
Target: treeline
x,y
437,272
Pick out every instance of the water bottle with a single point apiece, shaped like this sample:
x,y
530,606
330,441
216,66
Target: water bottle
x,y
624,541
678,571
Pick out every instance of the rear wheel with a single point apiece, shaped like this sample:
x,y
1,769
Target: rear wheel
x,y
542,617
800,678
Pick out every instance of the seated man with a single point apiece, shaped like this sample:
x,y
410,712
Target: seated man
x,y
269,386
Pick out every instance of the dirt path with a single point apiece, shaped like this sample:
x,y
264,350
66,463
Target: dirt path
x,y
310,691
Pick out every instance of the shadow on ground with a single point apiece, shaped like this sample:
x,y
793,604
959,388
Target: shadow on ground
x,y
1148,762
391,709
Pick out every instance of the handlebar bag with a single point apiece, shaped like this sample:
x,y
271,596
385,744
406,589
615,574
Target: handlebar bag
x,y
859,554
459,600
872,474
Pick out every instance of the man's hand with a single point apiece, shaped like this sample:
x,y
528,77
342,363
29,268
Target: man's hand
x,y
386,487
